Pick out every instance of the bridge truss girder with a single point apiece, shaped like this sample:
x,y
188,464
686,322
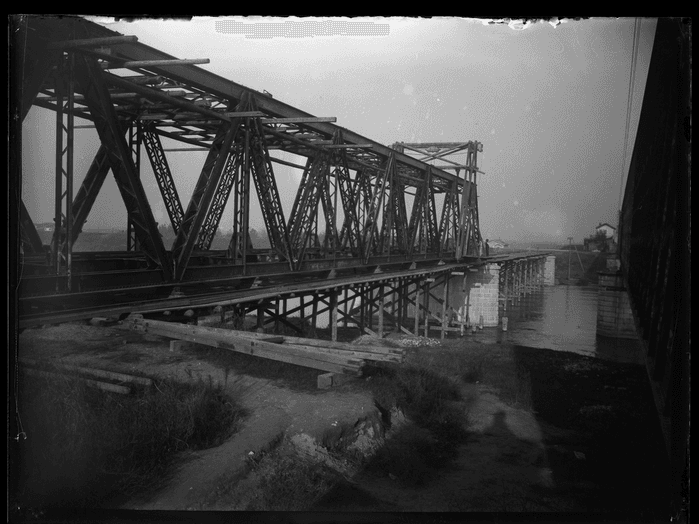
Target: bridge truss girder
x,y
375,203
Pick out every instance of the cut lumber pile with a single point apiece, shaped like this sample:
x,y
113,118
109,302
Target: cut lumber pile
x,y
336,357
97,378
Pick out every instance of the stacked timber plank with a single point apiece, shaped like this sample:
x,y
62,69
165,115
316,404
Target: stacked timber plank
x,y
97,378
336,357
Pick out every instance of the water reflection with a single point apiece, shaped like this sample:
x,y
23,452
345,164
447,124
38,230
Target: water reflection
x,y
562,318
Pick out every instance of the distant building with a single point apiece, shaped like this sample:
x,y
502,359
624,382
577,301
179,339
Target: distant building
x,y
604,239
608,230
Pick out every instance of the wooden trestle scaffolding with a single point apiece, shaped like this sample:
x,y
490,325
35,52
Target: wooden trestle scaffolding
x,y
517,278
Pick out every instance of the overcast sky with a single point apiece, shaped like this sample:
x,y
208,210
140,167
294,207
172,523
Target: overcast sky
x,y
548,103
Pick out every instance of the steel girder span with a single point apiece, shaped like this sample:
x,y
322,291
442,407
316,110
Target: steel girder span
x,y
359,207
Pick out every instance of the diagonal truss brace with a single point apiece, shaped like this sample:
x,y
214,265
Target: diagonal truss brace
x,y
375,205
97,98
29,235
266,186
163,176
202,196
305,206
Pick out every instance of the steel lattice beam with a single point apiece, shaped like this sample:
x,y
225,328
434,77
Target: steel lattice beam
x,y
135,140
163,176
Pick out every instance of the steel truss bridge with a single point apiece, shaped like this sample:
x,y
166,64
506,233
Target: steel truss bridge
x,y
361,208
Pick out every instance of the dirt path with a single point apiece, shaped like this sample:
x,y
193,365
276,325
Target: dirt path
x,y
274,410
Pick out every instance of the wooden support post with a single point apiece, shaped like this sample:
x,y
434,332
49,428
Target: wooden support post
x,y
302,312
333,313
362,308
445,298
276,315
399,304
380,327
427,310
314,312
344,302
260,317
417,307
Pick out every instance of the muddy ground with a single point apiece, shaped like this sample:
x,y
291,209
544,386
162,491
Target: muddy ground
x,y
586,441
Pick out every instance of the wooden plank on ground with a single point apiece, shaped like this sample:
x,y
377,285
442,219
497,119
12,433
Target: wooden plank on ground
x,y
214,338
326,344
101,373
105,386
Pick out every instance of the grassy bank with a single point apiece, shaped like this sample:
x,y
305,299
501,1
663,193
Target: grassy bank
x,y
85,447
584,266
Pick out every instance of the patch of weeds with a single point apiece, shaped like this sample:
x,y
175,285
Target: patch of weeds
x,y
473,372
433,402
85,444
291,483
407,456
519,390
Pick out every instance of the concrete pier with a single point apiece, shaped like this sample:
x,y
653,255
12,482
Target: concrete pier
x,y
614,316
482,288
550,271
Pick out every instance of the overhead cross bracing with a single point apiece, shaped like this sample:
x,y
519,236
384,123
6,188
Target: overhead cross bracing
x,y
360,206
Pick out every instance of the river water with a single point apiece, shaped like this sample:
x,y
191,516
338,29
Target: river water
x,y
562,318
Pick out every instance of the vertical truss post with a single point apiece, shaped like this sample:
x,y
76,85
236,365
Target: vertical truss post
x,y
135,139
63,209
241,243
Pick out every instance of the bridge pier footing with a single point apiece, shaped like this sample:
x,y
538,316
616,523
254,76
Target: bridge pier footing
x,y
614,316
482,287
